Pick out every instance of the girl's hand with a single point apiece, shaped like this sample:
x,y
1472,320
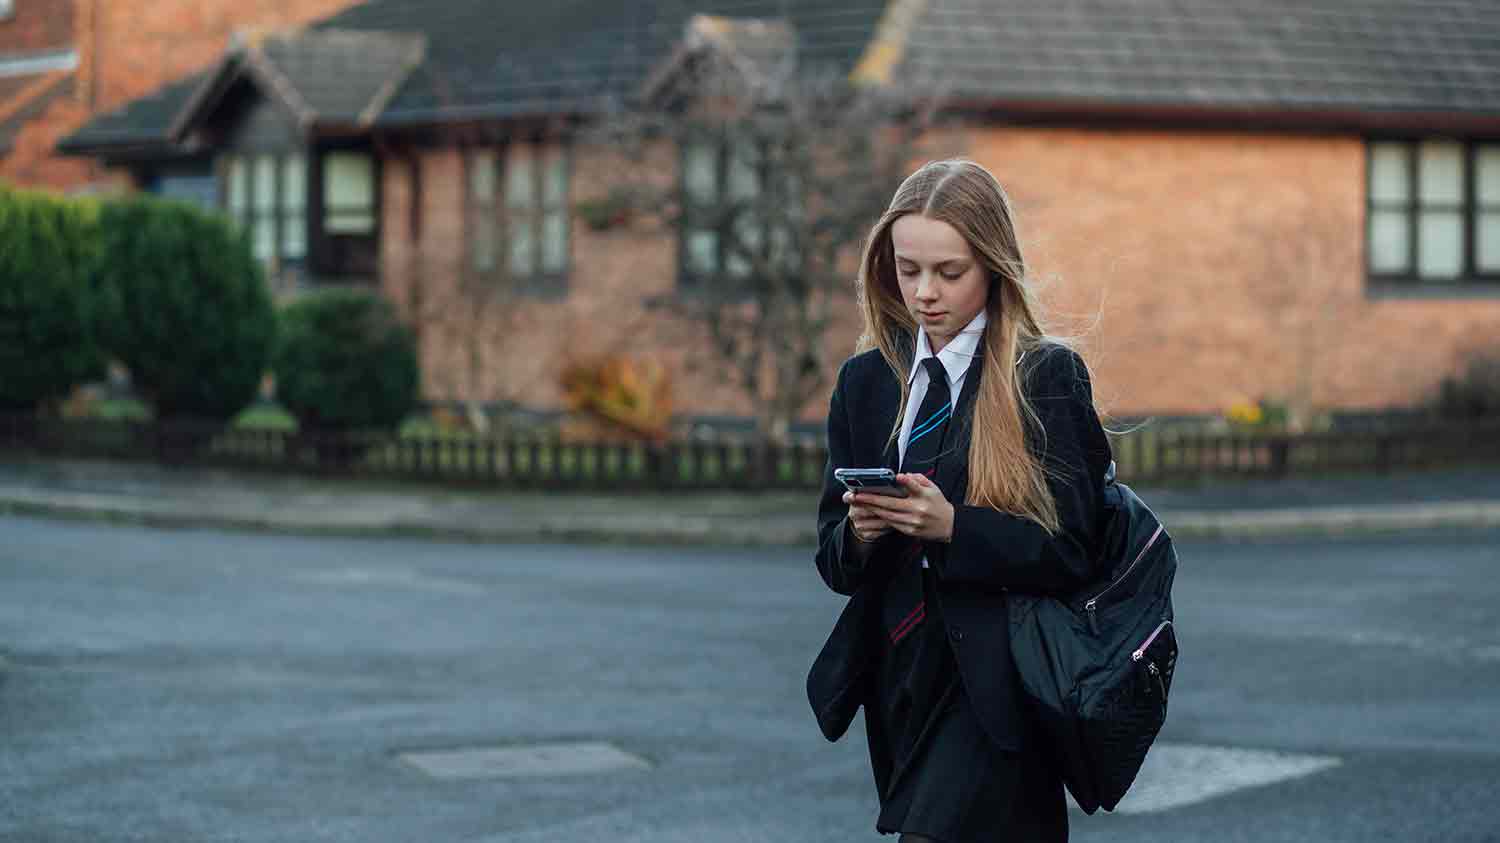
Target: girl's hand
x,y
866,524
925,513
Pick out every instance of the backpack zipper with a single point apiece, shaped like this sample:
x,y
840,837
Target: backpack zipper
x,y
1140,652
1093,602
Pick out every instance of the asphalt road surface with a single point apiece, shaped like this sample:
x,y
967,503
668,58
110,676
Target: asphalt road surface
x,y
206,686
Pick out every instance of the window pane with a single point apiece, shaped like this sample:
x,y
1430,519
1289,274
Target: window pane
x,y
1390,242
518,178
1487,248
294,183
700,177
348,185
483,241
522,248
264,236
482,176
703,252
234,192
1441,172
1388,173
744,180
294,236
555,241
265,182
749,237
555,180
1440,238
1487,180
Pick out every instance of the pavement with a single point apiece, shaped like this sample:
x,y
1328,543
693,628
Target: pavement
x,y
148,494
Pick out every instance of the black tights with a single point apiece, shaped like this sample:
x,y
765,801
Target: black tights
x,y
915,838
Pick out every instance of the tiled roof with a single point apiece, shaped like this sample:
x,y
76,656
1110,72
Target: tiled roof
x,y
1376,55
491,59
340,76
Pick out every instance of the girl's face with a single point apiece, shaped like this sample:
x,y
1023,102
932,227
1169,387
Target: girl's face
x,y
942,283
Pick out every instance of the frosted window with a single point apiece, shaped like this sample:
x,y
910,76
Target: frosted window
x,y
1389,180
1390,242
1441,172
1487,177
1487,249
348,193
1440,237
518,179
555,241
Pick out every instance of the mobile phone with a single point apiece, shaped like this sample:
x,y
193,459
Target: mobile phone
x,y
876,481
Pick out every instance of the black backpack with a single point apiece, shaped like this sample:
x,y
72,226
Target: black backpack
x,y
1097,666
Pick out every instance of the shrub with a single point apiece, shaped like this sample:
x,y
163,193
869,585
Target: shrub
x,y
46,304
634,395
343,361
184,306
1474,393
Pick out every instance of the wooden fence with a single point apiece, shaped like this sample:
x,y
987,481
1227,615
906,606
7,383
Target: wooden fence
x,y
716,462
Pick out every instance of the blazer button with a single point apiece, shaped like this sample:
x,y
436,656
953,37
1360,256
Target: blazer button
x,y
956,634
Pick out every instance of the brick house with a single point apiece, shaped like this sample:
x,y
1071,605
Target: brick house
x,y
65,62
1299,200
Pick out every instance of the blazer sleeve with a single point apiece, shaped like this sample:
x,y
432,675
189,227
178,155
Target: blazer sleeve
x,y
996,550
842,567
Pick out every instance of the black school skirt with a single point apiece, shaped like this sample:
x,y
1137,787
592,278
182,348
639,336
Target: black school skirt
x,y
937,772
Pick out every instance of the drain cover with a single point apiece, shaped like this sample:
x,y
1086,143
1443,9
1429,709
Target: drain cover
x,y
527,760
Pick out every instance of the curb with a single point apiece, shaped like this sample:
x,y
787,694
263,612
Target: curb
x,y
1329,522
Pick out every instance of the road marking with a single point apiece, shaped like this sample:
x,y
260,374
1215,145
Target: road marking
x,y
1176,775
553,759
393,577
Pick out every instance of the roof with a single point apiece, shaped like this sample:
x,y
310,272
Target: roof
x,y
1379,55
500,60
326,76
22,98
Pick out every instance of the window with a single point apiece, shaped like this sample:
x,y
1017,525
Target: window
x,y
7,8
723,184
267,195
519,214
1433,213
348,193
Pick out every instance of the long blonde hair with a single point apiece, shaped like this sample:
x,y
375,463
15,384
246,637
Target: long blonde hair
x,y
1004,473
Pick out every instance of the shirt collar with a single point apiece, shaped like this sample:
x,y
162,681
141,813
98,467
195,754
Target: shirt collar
x,y
956,355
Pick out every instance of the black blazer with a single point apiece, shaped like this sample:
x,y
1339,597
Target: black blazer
x,y
991,552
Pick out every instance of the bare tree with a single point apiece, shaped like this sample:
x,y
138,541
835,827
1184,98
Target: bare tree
x,y
781,172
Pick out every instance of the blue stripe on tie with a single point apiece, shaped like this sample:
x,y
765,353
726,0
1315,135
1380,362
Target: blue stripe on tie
x,y
938,418
935,419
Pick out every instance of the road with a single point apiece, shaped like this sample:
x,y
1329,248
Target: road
x,y
197,685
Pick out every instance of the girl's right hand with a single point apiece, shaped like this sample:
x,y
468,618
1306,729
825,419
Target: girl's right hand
x,y
866,525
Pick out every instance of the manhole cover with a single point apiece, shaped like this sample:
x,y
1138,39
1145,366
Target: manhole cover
x,y
530,760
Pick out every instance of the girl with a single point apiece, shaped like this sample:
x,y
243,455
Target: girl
x,y
992,427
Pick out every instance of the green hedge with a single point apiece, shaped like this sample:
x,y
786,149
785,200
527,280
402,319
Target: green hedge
x,y
48,249
184,306
343,361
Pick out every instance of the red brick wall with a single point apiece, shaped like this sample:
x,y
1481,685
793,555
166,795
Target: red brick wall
x,y
1207,268
37,25
513,347
1198,269
128,50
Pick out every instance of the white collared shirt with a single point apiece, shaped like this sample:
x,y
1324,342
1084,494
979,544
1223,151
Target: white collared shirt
x,y
955,358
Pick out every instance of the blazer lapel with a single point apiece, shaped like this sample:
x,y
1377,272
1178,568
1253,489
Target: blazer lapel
x,y
952,473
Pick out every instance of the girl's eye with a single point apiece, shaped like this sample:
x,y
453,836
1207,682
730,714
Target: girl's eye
x,y
952,277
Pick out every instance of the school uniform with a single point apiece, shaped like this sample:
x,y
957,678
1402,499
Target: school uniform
x,y
923,643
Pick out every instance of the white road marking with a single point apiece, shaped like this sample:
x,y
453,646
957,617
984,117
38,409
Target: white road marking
x,y
1175,775
553,759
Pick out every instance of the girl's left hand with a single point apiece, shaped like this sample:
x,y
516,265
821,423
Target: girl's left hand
x,y
925,513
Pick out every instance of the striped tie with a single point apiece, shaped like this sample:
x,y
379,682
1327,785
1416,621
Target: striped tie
x,y
926,441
